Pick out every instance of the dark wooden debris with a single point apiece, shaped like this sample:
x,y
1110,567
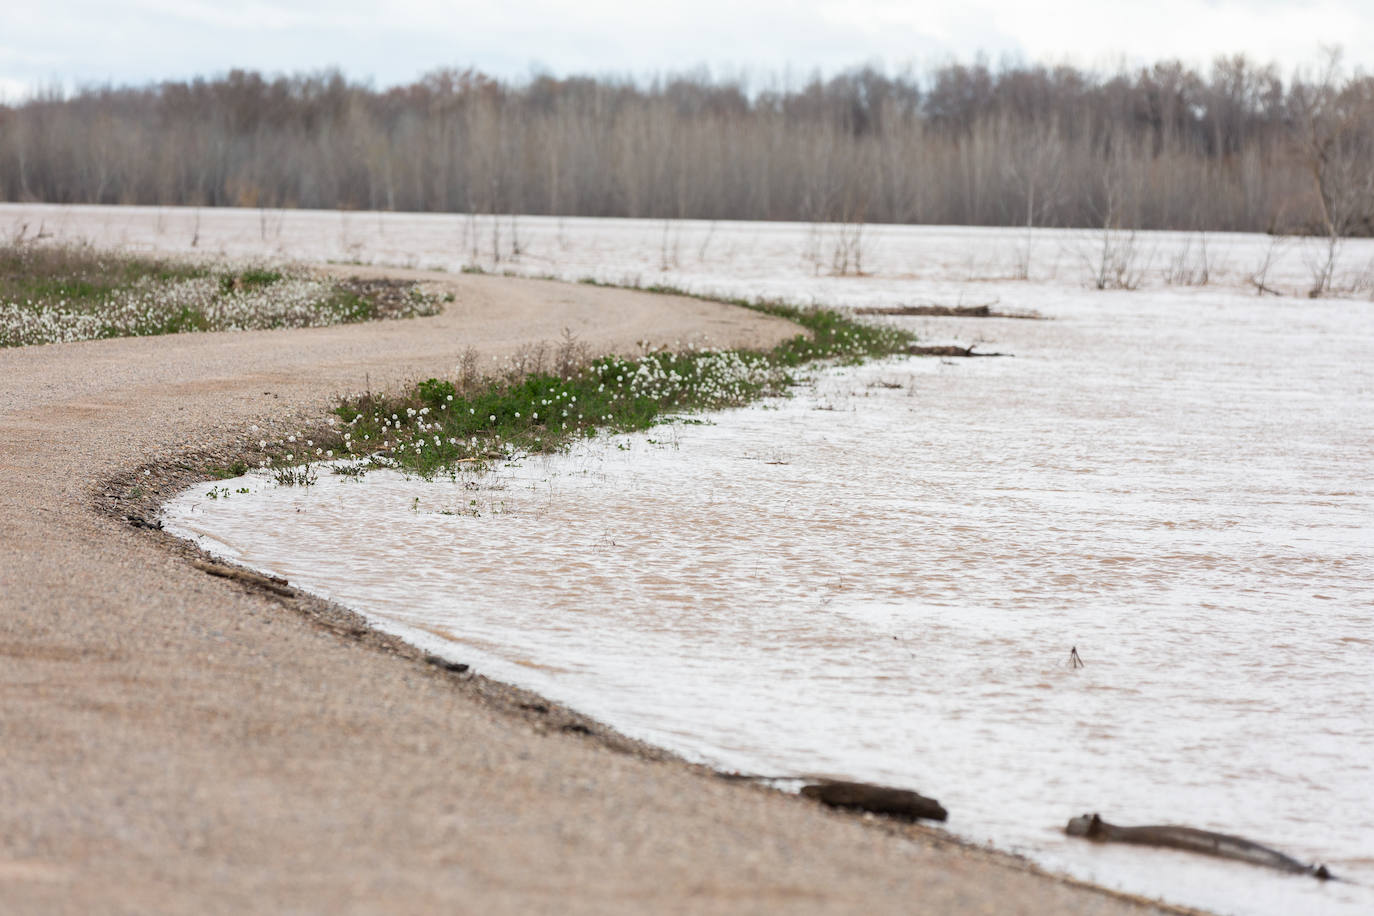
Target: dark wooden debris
x,y
275,584
860,796
947,350
1190,839
933,311
441,662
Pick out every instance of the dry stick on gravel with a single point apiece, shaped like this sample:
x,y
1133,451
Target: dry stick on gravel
x,y
274,584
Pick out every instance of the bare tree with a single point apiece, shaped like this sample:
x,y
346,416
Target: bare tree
x,y
1034,166
1336,134
1259,277
1115,263
1026,146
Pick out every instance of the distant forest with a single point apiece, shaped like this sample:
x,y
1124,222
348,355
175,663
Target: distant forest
x,y
1164,147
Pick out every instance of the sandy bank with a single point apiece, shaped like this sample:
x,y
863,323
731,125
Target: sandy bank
x,y
170,741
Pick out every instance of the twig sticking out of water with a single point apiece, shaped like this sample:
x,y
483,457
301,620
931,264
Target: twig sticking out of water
x,y
1074,660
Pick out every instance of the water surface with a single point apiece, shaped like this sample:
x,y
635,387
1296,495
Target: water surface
x,y
882,576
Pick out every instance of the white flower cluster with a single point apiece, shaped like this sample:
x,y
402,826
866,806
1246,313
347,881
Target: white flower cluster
x,y
161,307
714,378
414,432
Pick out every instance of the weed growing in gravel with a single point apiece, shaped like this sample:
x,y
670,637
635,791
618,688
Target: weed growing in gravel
x,y
547,398
62,293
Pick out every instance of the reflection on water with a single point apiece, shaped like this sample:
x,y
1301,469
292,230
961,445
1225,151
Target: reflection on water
x,y
882,578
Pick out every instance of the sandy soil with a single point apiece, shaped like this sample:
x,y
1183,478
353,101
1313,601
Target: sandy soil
x,y
175,742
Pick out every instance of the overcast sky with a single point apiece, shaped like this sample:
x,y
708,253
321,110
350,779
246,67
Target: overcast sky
x,y
75,42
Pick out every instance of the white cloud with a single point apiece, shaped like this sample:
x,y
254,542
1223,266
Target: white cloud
x,y
83,41
304,16
1194,31
12,91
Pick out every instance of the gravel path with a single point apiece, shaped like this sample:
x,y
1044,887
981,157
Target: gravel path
x,y
175,742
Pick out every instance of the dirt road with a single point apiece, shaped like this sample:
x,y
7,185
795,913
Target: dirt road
x,y
174,742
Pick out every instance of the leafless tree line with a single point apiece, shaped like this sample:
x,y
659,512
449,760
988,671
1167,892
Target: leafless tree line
x,y
1236,148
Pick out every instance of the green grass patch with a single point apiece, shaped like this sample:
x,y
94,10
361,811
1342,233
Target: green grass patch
x,y
74,274
248,278
229,471
552,399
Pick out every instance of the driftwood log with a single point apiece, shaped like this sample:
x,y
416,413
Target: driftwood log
x,y
1190,839
860,796
947,350
934,311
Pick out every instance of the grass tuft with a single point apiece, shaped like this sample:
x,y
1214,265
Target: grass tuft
x,y
550,397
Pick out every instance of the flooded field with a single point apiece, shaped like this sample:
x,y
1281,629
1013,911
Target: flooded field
x,y
825,263
881,577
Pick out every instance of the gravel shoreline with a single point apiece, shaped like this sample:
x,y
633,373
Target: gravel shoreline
x,y
173,741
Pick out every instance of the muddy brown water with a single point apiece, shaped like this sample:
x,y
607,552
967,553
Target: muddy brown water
x,y
882,578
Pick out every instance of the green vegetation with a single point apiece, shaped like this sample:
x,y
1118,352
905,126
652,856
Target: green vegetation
x,y
249,278
546,401
62,293
229,471
79,273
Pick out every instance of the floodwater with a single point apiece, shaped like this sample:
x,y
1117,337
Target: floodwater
x,y
882,576
831,264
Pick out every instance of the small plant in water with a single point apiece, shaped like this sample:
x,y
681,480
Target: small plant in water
x,y
300,475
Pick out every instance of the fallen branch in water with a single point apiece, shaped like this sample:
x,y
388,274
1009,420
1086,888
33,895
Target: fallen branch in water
x,y
943,311
933,311
1190,839
947,350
